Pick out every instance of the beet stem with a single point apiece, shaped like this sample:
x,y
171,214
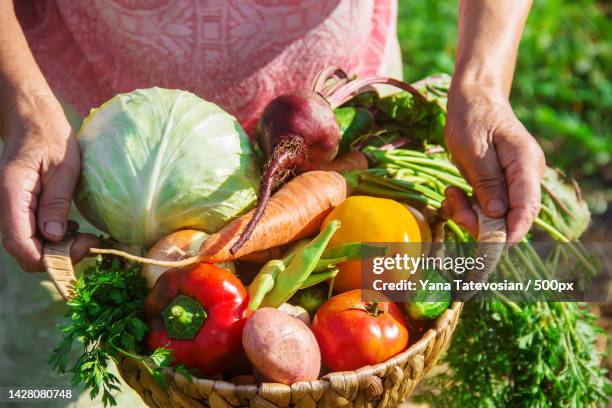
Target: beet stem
x,y
334,87
277,167
318,85
348,91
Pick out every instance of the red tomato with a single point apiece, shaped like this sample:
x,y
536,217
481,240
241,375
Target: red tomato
x,y
352,333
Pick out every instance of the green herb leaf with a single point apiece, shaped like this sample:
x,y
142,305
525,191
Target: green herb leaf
x,y
105,319
162,357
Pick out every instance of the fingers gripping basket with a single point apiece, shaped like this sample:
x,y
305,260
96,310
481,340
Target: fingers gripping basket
x,y
382,385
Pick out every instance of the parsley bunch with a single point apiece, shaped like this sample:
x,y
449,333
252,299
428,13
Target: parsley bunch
x,y
105,319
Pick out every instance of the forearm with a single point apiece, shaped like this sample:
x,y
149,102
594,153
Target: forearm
x,y
22,84
488,39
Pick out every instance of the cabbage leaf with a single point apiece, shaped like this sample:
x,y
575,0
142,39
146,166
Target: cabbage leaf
x,y
159,160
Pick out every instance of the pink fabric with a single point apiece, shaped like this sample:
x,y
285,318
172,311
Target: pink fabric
x,y
236,53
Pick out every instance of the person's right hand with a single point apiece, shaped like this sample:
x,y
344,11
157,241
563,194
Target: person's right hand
x,y
497,156
39,168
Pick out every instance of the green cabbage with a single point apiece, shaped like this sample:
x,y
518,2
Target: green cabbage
x,y
158,160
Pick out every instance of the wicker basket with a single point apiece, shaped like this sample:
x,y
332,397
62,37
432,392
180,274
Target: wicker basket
x,y
382,385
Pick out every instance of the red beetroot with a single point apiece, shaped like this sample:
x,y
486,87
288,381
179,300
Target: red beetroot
x,y
298,129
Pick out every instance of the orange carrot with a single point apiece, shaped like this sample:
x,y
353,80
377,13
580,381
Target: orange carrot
x,y
295,211
354,160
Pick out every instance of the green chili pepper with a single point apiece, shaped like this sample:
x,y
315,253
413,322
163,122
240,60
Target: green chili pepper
x,y
291,279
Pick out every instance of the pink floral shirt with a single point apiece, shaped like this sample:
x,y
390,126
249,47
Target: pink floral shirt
x,y
236,53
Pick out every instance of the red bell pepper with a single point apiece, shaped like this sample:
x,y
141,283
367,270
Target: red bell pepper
x,y
199,313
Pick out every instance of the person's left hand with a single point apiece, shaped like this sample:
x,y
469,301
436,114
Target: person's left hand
x,y
498,157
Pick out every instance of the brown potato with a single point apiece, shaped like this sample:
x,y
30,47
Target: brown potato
x,y
281,347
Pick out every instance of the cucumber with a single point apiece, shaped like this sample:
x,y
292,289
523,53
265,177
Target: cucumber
x,y
428,303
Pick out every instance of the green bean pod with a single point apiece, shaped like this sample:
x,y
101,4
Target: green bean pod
x,y
316,278
264,281
291,279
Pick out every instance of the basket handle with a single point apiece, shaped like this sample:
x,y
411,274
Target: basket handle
x,y
57,262
492,234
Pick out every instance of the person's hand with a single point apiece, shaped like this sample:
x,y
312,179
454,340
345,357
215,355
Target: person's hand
x,y
39,168
498,157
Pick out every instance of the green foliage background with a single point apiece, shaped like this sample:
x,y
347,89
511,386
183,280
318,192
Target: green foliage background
x,y
562,89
